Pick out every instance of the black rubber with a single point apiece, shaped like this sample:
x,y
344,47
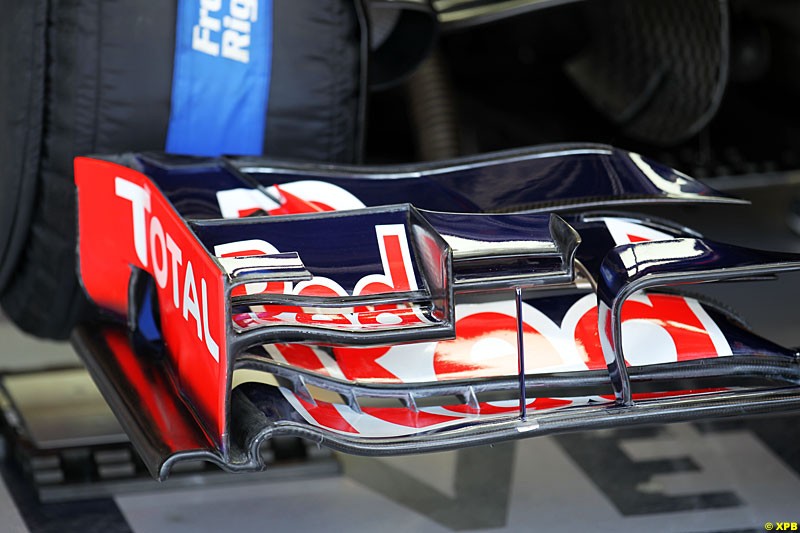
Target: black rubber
x,y
656,68
22,53
97,98
95,77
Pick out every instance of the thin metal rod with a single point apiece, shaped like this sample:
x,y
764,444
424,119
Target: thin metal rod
x,y
520,355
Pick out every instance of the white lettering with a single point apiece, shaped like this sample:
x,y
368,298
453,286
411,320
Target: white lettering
x,y
201,32
201,41
207,22
234,46
235,28
245,9
190,305
211,5
242,26
160,272
213,347
140,202
176,259
166,256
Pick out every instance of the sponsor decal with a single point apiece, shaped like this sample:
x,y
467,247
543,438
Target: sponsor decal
x,y
397,276
126,223
486,332
222,32
158,253
297,197
485,343
628,232
221,77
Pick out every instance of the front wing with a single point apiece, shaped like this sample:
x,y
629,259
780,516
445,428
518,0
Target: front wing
x,y
403,328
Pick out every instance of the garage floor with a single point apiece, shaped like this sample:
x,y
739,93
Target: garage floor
x,y
717,476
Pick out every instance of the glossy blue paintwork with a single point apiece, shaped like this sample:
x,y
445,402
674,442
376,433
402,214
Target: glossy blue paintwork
x,y
630,268
340,246
344,246
541,179
492,228
741,340
651,262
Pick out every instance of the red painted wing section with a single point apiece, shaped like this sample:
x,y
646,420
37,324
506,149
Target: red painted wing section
x,y
126,223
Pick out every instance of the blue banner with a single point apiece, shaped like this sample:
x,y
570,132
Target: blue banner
x,y
220,80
